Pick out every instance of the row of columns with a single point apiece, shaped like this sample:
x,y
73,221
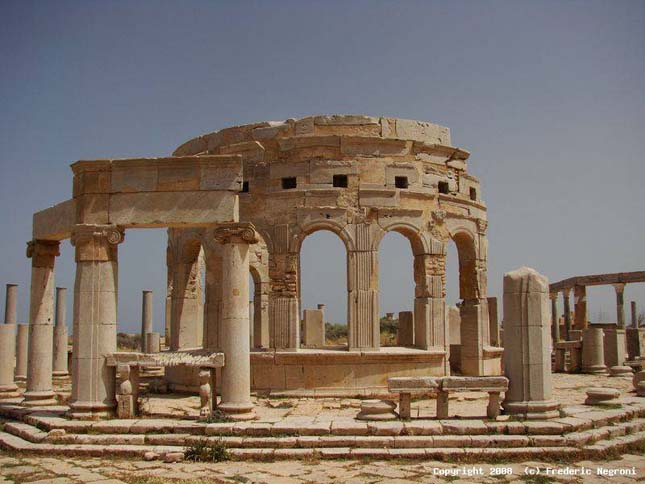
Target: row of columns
x,y
95,321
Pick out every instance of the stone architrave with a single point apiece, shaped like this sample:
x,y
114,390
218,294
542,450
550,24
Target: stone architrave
x,y
95,319
40,390
405,331
527,345
593,352
146,318
314,328
22,351
60,368
235,239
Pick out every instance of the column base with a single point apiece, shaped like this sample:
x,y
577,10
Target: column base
x,y
539,410
9,391
90,411
622,371
238,411
60,375
20,378
596,370
39,399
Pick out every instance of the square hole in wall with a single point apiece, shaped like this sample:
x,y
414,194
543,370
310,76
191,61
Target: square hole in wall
x,y
401,181
340,181
245,187
444,187
289,182
473,193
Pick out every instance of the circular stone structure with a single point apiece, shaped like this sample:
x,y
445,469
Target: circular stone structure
x,y
358,177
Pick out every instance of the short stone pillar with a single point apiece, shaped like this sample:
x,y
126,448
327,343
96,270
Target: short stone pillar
x,y
615,346
405,331
593,353
635,342
22,351
493,321
40,390
313,328
236,373
60,368
8,344
95,320
153,342
527,345
127,391
146,318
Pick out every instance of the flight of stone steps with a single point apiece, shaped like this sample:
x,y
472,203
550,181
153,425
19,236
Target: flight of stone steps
x,y
582,431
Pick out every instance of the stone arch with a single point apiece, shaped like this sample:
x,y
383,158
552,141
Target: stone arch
x,y
410,231
467,254
342,231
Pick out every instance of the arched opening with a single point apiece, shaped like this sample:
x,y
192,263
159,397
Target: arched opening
x,y
396,290
323,298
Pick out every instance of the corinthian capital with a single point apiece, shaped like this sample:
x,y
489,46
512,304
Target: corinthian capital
x,y
236,232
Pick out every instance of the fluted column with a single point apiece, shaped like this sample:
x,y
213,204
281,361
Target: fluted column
x,y
60,369
567,312
41,323
555,324
95,319
146,318
236,373
8,345
620,305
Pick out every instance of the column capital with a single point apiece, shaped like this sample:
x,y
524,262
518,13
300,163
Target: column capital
x,y
566,292
43,252
619,287
96,242
236,232
553,295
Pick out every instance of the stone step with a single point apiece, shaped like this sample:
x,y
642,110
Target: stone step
x,y
598,450
33,434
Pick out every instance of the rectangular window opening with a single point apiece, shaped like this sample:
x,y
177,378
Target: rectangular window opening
x,y
473,193
443,187
340,181
245,187
289,182
401,181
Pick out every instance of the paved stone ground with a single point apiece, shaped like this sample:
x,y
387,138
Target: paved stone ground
x,y
20,468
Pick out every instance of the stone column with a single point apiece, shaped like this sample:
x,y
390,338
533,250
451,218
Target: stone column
x,y
363,324
430,328
95,319
555,323
620,306
153,344
213,293
146,318
236,373
493,321
593,352
567,312
261,315
22,351
60,369
580,307
634,320
11,304
41,323
8,345
474,336
527,354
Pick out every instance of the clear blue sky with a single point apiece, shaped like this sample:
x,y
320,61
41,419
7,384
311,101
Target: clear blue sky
x,y
548,96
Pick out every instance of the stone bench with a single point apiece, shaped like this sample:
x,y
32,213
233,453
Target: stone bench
x,y
406,386
493,385
129,364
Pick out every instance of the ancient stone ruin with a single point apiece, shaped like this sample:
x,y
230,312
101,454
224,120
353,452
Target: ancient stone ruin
x,y
241,201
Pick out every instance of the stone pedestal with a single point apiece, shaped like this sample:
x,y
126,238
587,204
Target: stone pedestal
x,y
22,351
527,345
146,318
41,329
60,368
405,331
8,389
236,373
313,328
593,359
615,347
95,320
